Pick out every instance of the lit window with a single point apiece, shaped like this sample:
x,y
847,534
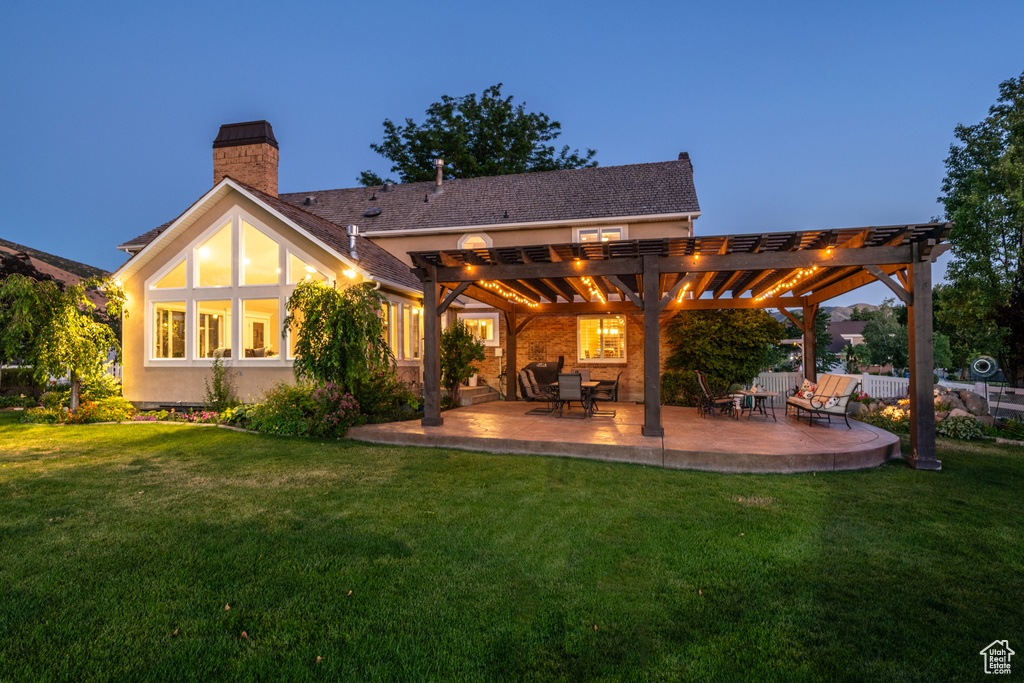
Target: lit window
x,y
214,328
213,259
293,332
599,235
299,270
175,278
474,242
602,338
169,329
261,332
484,327
389,317
411,335
259,258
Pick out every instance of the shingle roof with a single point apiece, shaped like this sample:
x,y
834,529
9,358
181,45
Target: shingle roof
x,y
587,193
378,262
571,195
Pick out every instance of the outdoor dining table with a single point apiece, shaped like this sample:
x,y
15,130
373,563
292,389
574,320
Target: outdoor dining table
x,y
757,402
588,396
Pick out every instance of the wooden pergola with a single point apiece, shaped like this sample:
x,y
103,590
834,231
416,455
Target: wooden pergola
x,y
656,278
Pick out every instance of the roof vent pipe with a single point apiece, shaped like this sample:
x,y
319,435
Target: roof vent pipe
x,y
387,187
353,231
439,165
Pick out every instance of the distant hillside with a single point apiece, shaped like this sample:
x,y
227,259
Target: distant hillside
x,y
839,313
80,270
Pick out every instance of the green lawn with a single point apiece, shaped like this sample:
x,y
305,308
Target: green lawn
x,y
121,545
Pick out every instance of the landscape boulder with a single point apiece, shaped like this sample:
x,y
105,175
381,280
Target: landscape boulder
x,y
941,415
987,420
953,401
856,409
974,403
956,412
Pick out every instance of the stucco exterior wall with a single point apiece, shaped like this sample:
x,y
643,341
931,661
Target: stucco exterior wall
x,y
146,381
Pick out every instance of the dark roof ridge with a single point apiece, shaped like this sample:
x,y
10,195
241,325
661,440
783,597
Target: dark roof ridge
x,y
530,174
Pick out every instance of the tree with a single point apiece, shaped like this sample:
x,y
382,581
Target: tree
x,y
886,338
459,350
475,137
984,197
340,334
824,359
960,317
728,346
54,328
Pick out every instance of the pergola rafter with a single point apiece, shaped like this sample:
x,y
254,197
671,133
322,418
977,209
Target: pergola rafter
x,y
656,278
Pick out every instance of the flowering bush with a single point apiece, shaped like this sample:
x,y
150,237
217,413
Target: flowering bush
x,y
861,397
112,409
303,410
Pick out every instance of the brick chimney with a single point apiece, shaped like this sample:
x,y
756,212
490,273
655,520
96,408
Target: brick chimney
x,y
248,153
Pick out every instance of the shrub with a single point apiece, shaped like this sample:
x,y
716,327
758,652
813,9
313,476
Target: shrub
x,y
18,377
18,401
680,388
459,350
962,427
382,396
304,410
890,418
112,409
52,400
42,416
150,416
220,394
1012,429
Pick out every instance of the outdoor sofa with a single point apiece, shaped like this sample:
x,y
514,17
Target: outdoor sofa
x,y
828,397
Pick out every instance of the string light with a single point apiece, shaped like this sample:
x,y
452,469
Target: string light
x,y
788,284
594,291
682,293
508,293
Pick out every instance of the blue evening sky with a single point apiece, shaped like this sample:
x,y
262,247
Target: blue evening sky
x,y
796,115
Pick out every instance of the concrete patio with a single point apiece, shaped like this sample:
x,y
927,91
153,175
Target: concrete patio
x,y
717,444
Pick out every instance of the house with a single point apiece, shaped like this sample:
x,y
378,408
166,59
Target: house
x,y
214,280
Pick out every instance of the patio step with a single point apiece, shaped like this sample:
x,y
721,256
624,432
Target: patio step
x,y
471,396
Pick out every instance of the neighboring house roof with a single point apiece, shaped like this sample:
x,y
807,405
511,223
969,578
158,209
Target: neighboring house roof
x,y
59,268
848,327
577,195
375,261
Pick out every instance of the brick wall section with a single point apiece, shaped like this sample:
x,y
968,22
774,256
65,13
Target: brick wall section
x,y
254,165
548,336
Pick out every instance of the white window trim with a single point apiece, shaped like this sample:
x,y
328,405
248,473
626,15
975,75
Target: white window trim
x,y
624,231
482,235
235,293
493,317
604,361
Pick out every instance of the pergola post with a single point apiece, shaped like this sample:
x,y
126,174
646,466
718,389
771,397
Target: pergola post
x,y
810,362
431,352
511,375
652,351
922,383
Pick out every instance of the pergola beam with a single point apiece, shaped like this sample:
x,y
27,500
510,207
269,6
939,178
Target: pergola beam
x,y
881,276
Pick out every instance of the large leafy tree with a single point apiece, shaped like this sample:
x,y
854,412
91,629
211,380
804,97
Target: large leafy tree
x,y
728,346
55,330
984,197
485,136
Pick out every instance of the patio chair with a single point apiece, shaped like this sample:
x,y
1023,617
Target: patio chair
x,y
531,391
710,403
570,388
584,375
608,394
